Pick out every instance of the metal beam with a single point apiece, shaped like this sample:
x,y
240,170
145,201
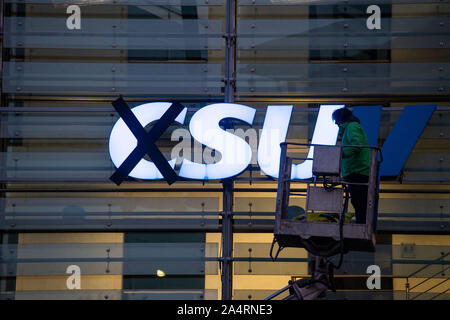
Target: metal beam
x,y
203,190
85,110
227,216
227,241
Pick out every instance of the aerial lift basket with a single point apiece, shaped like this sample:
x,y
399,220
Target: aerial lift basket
x,y
325,238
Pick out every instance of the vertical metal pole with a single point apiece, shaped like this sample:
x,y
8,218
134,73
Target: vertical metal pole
x,y
230,54
227,217
9,246
3,143
372,191
2,32
407,289
227,241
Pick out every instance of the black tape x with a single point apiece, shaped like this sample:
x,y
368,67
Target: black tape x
x,y
145,142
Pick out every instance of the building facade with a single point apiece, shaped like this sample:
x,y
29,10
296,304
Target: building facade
x,y
69,232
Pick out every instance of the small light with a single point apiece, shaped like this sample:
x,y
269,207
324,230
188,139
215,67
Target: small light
x,y
160,273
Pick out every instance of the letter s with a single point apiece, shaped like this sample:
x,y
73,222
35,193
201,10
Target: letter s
x,y
236,153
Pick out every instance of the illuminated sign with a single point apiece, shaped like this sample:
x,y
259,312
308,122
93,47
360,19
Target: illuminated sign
x,y
129,141
236,153
122,141
275,130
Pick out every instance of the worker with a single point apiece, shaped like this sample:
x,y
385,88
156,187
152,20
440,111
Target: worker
x,y
355,161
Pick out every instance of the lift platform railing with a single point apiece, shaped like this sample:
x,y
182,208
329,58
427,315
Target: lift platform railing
x,y
323,238
326,238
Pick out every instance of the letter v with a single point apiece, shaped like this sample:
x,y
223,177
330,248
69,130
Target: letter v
x,y
403,137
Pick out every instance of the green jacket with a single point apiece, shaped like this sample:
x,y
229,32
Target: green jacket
x,y
354,160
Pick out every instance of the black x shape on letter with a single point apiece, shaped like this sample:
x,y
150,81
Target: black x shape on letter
x,y
145,142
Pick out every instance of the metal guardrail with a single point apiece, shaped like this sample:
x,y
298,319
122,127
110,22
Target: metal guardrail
x,y
408,288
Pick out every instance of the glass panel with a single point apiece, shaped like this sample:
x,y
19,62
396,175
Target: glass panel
x,y
112,295
255,256
108,258
407,211
321,47
57,87
110,266
55,142
100,211
133,48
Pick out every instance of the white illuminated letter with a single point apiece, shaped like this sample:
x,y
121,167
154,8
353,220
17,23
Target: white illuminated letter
x,y
236,153
74,281
374,21
122,141
274,132
325,132
74,21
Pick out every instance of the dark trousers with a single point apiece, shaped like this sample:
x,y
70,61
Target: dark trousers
x,y
358,195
